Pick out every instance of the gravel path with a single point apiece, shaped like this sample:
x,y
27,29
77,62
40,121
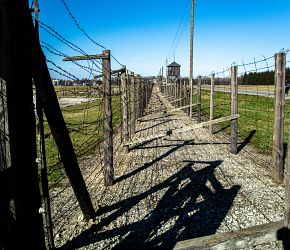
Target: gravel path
x,y
71,101
175,188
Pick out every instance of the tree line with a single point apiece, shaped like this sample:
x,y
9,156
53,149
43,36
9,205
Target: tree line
x,y
261,78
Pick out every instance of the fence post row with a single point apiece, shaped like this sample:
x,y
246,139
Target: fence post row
x,y
108,126
199,99
234,110
125,108
277,151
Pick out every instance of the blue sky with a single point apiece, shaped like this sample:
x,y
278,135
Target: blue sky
x,y
140,33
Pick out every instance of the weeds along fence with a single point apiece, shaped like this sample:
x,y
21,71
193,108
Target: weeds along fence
x,y
256,92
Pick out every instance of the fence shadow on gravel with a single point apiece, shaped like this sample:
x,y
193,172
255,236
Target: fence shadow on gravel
x,y
195,217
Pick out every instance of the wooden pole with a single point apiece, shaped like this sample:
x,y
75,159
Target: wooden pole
x,y
184,93
8,229
190,97
286,236
211,112
108,125
42,149
19,183
180,92
139,94
277,152
133,102
287,190
199,99
125,107
62,138
191,55
234,110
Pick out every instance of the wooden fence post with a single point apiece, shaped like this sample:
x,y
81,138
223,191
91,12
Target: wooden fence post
x,y
180,92
190,98
19,183
125,108
108,126
184,93
139,93
133,102
211,112
234,110
277,151
199,99
287,189
176,90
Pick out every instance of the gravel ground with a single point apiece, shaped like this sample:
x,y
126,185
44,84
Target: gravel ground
x,y
171,189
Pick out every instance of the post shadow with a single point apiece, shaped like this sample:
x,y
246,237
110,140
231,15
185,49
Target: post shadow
x,y
283,234
247,140
148,164
193,217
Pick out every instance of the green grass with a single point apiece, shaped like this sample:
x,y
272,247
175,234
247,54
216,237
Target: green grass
x,y
85,124
256,114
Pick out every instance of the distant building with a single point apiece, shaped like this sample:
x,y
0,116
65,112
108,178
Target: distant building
x,y
173,72
56,82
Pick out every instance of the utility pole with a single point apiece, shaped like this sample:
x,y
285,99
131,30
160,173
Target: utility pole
x,y
191,54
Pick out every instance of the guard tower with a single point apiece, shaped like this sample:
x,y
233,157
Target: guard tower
x,y
173,72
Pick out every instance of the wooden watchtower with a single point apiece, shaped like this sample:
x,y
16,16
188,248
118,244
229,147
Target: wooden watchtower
x,y
173,72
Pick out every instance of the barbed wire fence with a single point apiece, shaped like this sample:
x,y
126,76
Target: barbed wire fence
x,y
100,108
256,104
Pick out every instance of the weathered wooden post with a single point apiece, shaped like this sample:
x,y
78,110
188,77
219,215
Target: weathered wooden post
x,y
191,97
139,107
19,184
133,104
211,111
137,104
199,99
125,108
287,189
180,93
108,168
277,151
184,94
176,90
234,110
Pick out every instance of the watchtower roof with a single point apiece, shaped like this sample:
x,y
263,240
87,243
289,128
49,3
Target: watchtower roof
x,y
174,64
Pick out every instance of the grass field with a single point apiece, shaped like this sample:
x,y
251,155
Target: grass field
x,y
258,88
85,124
256,117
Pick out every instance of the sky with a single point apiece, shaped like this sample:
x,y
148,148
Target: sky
x,y
140,33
